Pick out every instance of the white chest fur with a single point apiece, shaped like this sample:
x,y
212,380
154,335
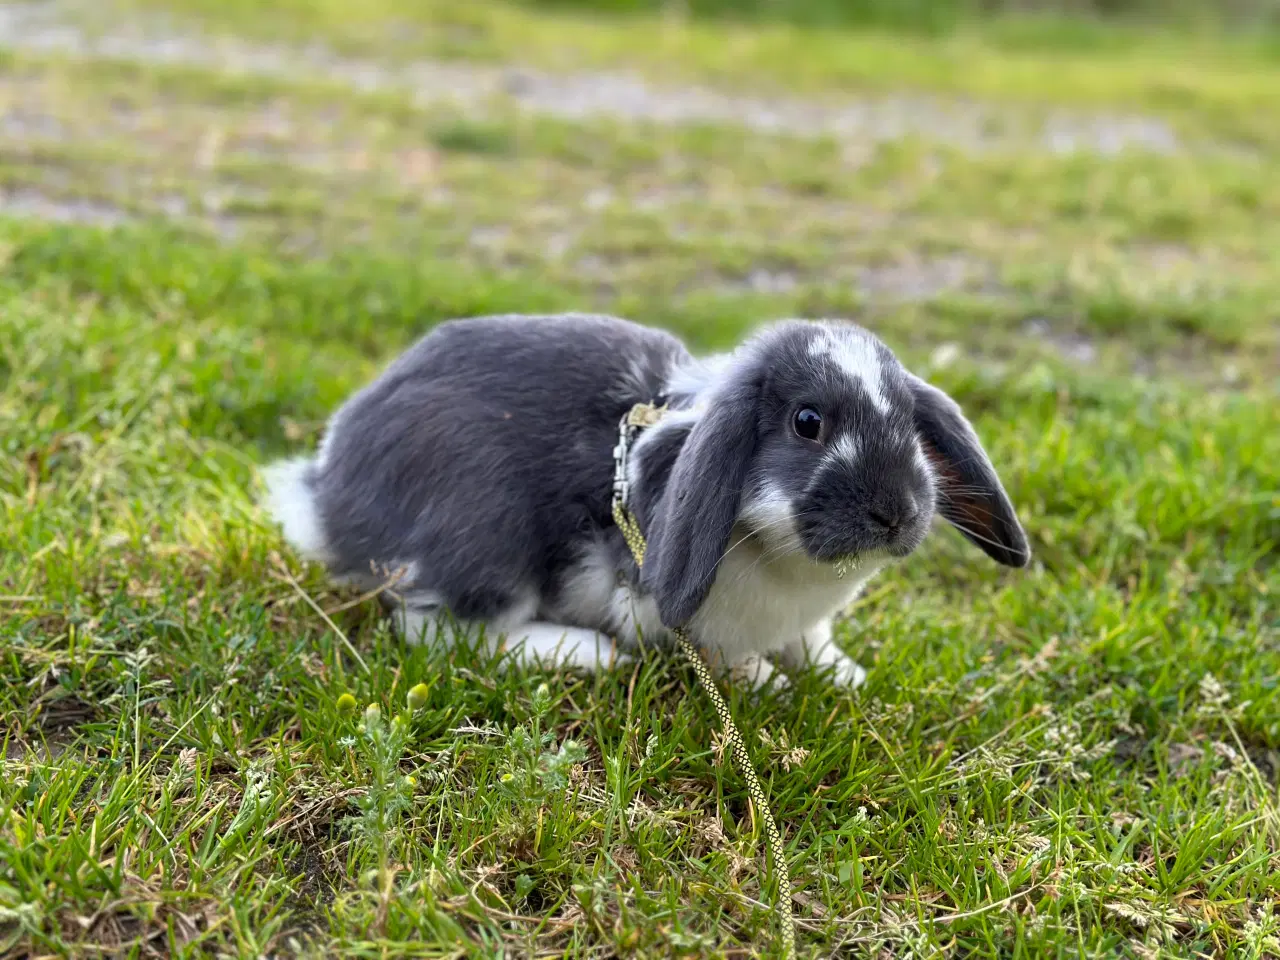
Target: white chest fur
x,y
761,602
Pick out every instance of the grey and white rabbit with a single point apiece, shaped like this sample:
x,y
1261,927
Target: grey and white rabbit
x,y
479,465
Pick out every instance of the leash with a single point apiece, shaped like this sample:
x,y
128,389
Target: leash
x,y
643,415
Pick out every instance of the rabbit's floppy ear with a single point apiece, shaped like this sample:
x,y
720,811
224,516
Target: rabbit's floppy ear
x,y
970,495
695,517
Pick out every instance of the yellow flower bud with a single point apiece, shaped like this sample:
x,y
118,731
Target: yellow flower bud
x,y
418,696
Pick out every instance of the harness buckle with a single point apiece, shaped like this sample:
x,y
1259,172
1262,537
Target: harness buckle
x,y
638,417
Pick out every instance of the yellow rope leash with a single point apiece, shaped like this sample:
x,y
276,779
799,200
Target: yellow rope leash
x,y
641,415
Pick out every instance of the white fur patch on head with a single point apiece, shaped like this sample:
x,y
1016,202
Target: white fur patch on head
x,y
845,449
856,354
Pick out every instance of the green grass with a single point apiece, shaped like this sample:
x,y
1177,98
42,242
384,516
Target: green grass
x,y
1079,758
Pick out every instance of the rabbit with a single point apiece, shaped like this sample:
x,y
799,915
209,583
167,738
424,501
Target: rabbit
x,y
783,475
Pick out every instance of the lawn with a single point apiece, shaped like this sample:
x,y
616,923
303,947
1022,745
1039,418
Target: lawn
x,y
214,225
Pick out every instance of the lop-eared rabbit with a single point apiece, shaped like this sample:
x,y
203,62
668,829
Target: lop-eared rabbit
x,y
479,469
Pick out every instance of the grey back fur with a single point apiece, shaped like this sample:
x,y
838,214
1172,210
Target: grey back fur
x,y
481,458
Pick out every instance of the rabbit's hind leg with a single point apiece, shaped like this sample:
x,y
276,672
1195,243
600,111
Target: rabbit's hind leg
x,y
423,618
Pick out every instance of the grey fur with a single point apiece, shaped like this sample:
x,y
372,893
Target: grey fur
x,y
480,463
482,455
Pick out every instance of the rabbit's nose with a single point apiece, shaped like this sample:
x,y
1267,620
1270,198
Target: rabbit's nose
x,y
895,512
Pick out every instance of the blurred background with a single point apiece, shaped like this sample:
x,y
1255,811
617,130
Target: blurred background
x,y
1089,182
219,217
1060,16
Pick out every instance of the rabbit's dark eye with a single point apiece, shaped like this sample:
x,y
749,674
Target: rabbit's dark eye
x,y
808,423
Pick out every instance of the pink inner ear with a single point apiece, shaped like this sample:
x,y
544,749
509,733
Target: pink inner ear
x,y
956,502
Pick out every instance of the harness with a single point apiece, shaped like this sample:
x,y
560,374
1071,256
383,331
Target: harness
x,y
640,416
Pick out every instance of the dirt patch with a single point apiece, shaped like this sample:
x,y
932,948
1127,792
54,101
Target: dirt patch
x,y
1075,347
28,125
916,280
27,202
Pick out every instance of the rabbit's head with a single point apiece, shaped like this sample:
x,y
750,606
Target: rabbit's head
x,y
813,439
